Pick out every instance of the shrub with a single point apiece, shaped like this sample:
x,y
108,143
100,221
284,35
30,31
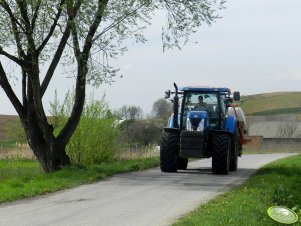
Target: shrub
x,y
139,133
94,140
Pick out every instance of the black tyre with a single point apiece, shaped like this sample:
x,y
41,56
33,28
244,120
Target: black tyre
x,y
182,163
234,152
221,144
169,150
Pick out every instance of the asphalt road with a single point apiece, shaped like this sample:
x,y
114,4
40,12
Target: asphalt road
x,y
142,198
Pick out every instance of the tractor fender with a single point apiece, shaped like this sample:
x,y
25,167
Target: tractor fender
x,y
172,130
231,124
170,123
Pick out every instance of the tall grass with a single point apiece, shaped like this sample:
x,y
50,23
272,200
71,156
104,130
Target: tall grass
x,y
17,151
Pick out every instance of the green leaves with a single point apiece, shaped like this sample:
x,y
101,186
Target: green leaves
x,y
94,140
43,23
184,17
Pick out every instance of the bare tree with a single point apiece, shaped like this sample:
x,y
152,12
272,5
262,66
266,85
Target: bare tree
x,y
162,109
129,112
287,130
122,113
83,35
135,112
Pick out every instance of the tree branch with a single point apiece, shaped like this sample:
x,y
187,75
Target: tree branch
x,y
11,15
29,30
36,13
60,49
15,22
10,93
116,22
11,57
23,9
24,83
80,90
55,60
53,26
76,47
93,28
72,15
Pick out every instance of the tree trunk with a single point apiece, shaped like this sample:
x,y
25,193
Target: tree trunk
x,y
52,156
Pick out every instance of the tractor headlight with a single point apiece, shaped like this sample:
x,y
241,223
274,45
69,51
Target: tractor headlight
x,y
188,125
195,125
201,126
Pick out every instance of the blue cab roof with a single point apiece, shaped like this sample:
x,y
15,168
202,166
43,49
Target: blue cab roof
x,y
204,89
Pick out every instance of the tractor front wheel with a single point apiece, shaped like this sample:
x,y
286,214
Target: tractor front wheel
x,y
169,151
221,144
182,163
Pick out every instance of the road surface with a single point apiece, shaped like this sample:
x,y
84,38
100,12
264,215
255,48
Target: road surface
x,y
142,198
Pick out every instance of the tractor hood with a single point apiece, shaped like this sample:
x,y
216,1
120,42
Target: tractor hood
x,y
197,121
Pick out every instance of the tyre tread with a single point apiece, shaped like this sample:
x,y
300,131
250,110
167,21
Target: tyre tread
x,y
169,152
220,154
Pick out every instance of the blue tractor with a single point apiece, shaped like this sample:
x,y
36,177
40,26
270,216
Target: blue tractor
x,y
205,123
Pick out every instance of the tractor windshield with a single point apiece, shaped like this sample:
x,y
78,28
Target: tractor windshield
x,y
196,101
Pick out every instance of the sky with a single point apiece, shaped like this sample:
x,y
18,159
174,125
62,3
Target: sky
x,y
254,48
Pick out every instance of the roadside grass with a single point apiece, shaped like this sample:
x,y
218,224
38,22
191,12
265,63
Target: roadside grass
x,y
278,183
25,178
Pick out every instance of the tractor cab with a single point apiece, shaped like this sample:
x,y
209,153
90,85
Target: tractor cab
x,y
200,110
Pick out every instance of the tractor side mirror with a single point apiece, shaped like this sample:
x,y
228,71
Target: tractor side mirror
x,y
236,96
167,94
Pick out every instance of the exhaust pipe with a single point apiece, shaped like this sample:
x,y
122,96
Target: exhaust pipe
x,y
176,107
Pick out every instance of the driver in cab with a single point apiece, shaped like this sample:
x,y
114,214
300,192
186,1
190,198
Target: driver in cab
x,y
202,106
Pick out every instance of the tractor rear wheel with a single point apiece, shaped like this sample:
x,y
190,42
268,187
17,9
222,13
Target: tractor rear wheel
x,y
234,152
169,150
182,163
221,145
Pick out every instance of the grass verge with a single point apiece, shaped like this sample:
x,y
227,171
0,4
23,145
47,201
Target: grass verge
x,y
278,183
25,178
7,143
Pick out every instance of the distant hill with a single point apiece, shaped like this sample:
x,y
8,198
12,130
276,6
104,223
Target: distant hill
x,y
277,103
265,104
4,120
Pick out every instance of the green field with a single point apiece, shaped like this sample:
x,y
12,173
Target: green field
x,y
286,103
278,183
